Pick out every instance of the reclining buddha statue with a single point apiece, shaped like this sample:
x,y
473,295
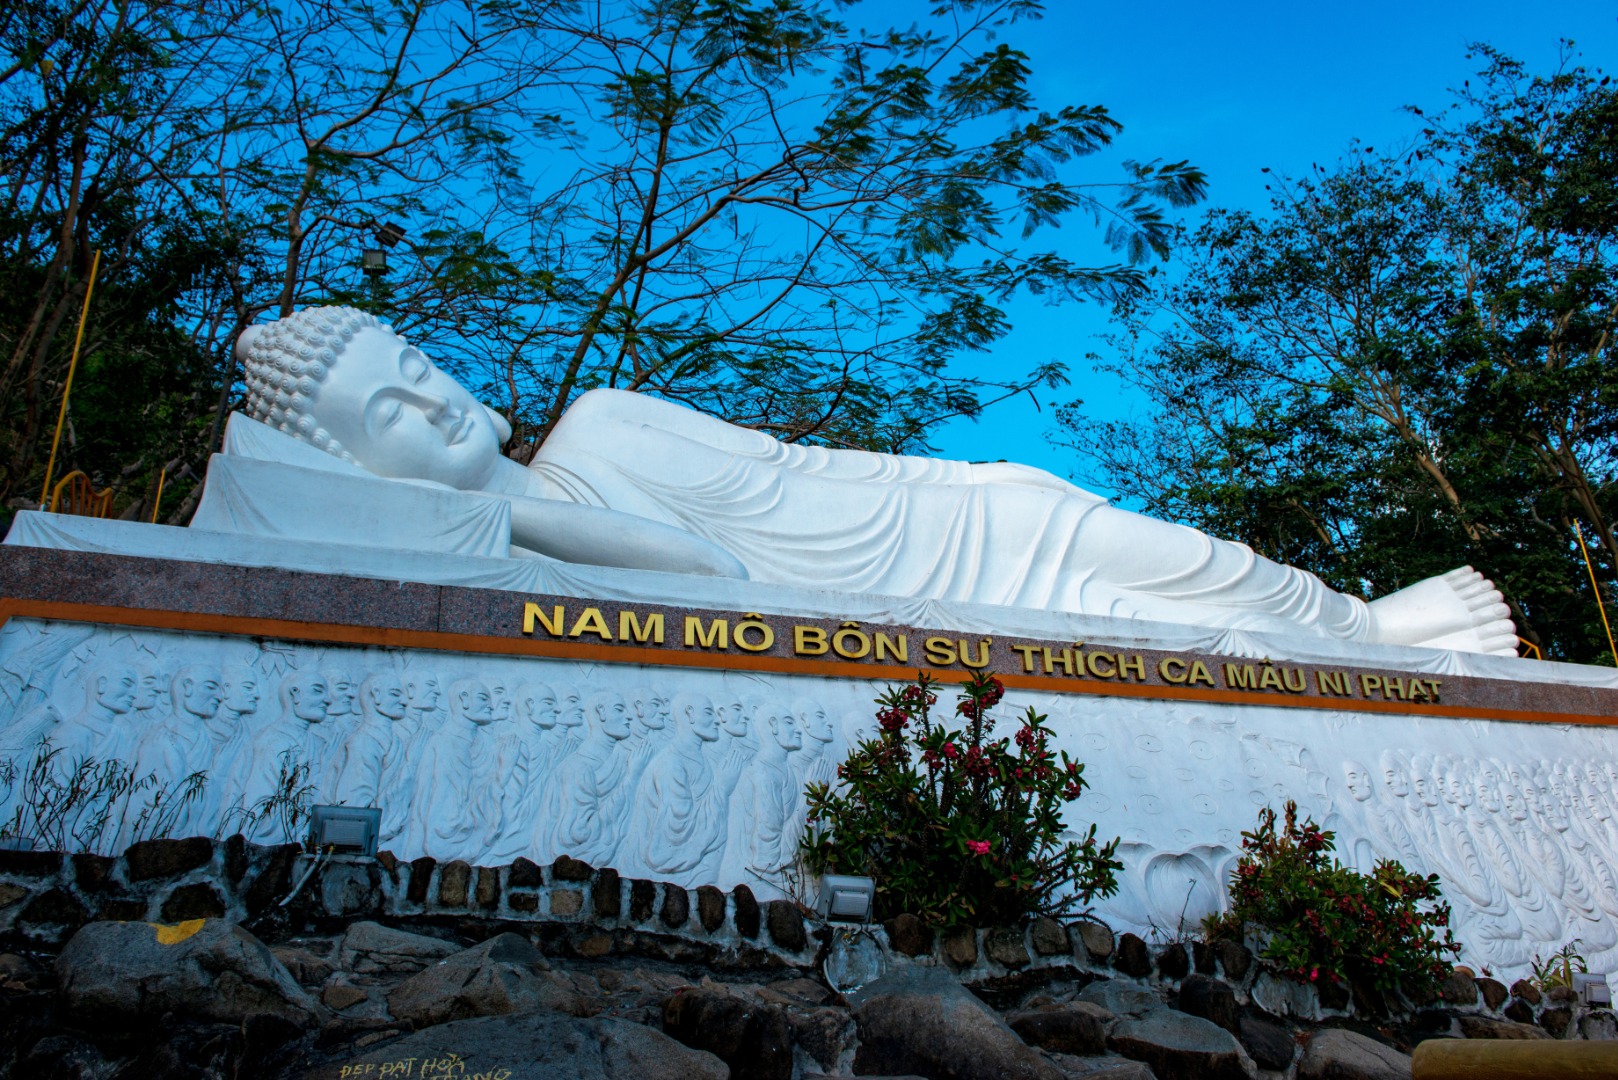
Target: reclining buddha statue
x,y
627,480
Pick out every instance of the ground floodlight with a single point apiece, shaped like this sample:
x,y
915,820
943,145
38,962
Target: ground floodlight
x,y
374,261
1593,989
390,234
345,830
844,898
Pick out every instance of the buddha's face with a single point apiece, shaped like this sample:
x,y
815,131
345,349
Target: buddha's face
x,y
400,416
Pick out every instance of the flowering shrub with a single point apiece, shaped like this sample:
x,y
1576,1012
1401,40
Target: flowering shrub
x,y
1325,922
952,824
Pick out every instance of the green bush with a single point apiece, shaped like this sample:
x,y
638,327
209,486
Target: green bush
x,y
955,826
1321,921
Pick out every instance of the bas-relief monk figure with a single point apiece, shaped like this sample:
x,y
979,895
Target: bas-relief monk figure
x,y
762,839
627,480
100,730
587,799
677,821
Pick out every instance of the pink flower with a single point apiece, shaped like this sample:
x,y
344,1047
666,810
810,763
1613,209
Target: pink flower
x,y
978,847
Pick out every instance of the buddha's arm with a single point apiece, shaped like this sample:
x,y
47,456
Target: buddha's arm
x,y
587,534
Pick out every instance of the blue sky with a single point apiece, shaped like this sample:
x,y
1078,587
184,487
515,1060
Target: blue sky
x,y
1236,88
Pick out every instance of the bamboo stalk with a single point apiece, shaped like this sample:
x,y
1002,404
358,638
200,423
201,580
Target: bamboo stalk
x,y
1601,604
73,366
158,502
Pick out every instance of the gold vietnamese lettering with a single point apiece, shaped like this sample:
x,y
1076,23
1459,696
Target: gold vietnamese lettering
x,y
716,636
895,648
1027,653
1171,669
1241,677
590,621
940,651
1135,664
982,660
809,641
850,642
1334,683
756,624
533,613
1065,658
630,628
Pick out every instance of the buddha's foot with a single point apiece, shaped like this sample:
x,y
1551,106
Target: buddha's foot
x,y
1460,610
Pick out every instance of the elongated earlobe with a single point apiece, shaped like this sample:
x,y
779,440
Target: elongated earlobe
x,y
501,427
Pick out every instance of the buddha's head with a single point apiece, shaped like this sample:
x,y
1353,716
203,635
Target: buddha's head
x,y
344,382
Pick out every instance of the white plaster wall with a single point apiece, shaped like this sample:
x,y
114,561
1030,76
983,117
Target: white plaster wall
x,y
488,758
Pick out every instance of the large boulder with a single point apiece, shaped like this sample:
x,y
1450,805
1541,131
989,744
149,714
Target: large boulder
x,y
540,1043
505,974
1120,999
922,1021
1335,1054
204,970
1179,1046
370,948
749,1035
1075,1028
1207,997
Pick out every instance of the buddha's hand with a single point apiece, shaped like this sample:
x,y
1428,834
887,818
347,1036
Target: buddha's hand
x,y
596,537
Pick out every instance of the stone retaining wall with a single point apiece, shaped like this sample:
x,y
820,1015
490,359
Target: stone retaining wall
x,y
578,910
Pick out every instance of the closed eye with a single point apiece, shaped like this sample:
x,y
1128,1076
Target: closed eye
x,y
383,414
413,365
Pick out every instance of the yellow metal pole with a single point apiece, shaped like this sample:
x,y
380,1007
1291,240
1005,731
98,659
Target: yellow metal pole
x,y
1600,604
158,502
73,365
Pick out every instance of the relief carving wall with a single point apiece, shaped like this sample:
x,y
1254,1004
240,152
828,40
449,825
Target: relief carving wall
x,y
697,776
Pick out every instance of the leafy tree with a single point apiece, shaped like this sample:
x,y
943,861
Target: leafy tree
x,y
798,225
1404,365
750,206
